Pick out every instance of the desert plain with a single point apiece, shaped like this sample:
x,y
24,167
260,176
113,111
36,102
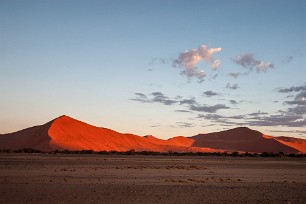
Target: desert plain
x,y
61,178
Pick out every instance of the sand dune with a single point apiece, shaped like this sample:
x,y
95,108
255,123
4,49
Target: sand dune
x,y
243,139
68,133
295,143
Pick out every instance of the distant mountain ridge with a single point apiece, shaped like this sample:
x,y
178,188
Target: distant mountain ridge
x,y
67,133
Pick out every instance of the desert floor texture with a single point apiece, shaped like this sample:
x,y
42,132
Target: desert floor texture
x,y
58,178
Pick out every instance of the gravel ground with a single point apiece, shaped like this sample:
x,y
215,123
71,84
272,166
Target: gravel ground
x,y
44,178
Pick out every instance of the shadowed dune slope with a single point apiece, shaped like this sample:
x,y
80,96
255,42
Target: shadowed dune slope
x,y
34,137
241,139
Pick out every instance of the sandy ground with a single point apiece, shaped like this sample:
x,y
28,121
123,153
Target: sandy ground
x,y
44,178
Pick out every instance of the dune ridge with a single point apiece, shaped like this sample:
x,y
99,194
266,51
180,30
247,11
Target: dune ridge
x,y
66,133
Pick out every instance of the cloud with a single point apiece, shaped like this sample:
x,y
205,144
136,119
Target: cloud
x,y
292,117
192,104
232,86
233,102
140,97
288,60
258,113
288,131
300,99
234,74
259,119
292,89
210,93
224,120
279,120
184,124
188,60
298,103
215,64
208,108
214,76
158,61
216,117
155,126
158,97
299,110
191,101
249,62
182,111
210,116
161,98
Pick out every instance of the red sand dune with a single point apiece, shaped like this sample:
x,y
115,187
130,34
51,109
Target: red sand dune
x,y
68,133
246,140
295,143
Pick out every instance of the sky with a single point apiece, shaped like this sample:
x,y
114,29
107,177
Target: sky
x,y
164,68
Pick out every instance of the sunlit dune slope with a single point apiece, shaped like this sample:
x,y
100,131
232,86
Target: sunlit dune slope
x,y
241,139
68,133
296,143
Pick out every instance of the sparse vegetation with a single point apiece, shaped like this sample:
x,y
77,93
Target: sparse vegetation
x,y
170,153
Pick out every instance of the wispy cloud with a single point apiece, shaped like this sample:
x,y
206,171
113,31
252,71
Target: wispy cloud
x,y
288,60
292,117
158,97
215,64
258,113
185,124
216,117
233,102
288,131
300,99
182,111
232,86
191,104
269,120
210,93
292,89
161,98
158,61
234,74
249,62
214,77
298,102
299,109
188,60
140,97
279,120
208,108
190,101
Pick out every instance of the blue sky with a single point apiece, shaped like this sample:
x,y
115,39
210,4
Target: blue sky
x,y
135,66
